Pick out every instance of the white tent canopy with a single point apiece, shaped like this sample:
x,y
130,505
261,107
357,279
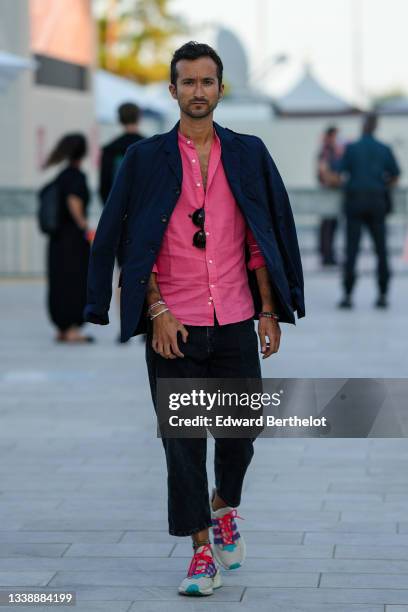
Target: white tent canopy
x,y
112,90
11,66
309,97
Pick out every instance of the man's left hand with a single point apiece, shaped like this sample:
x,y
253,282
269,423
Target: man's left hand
x,y
269,334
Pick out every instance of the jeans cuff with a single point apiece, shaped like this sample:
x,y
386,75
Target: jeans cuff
x,y
183,532
227,501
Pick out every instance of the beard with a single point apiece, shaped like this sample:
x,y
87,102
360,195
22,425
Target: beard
x,y
192,110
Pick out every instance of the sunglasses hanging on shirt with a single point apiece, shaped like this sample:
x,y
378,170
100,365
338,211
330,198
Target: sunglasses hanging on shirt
x,y
198,218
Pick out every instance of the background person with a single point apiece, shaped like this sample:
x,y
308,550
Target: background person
x,y
371,170
113,153
327,173
68,249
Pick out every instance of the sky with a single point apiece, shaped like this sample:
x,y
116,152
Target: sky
x,y
328,34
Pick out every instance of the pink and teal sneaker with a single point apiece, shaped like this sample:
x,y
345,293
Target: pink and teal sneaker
x,y
203,575
229,545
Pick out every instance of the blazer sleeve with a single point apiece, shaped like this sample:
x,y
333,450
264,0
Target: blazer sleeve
x,y
105,244
285,229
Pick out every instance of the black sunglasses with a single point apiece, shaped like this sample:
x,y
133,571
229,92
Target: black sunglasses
x,y
198,218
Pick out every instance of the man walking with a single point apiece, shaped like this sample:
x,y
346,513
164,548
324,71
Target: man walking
x,y
112,156
371,170
209,245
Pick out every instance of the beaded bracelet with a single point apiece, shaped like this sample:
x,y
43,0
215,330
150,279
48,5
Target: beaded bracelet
x,y
269,315
159,313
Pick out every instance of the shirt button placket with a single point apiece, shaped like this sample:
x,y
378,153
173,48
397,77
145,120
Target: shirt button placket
x,y
211,272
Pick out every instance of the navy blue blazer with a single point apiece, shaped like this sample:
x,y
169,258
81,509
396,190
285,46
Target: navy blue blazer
x,y
138,209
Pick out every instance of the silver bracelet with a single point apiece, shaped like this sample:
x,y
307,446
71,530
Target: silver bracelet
x,y
159,313
158,303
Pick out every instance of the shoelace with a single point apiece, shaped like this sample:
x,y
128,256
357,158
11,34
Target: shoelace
x,y
225,523
200,562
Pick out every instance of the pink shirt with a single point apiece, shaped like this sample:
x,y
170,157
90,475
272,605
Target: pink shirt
x,y
193,282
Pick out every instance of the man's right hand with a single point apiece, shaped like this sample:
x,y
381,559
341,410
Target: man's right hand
x,y
164,342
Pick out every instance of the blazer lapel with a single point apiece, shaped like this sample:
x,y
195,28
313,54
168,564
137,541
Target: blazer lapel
x,y
230,159
173,154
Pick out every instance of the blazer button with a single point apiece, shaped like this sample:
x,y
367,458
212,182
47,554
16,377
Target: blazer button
x,y
142,281
128,241
125,216
177,191
164,218
152,249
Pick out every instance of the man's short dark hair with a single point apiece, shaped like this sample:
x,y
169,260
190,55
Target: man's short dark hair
x,y
370,122
128,113
191,51
331,130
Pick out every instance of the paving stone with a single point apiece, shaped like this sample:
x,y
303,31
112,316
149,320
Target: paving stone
x,y
32,578
371,552
62,537
374,515
357,527
381,539
368,486
364,581
326,596
146,549
87,524
23,549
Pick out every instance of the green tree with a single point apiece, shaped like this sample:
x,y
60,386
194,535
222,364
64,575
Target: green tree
x,y
136,37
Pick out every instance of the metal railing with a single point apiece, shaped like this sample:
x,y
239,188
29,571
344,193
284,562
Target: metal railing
x,y
22,246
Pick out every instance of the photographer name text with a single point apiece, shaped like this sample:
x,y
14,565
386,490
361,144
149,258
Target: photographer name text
x,y
260,421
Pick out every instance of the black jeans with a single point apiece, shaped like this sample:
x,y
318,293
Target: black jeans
x,y
327,231
227,351
376,226
366,209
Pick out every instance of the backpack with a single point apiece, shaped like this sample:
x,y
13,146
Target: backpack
x,y
48,213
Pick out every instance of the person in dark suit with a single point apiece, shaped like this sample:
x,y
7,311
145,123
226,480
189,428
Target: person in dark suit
x,y
371,170
209,244
113,153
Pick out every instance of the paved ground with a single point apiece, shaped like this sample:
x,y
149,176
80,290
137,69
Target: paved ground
x,y
83,489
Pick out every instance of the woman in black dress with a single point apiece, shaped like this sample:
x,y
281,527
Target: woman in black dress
x,y
68,249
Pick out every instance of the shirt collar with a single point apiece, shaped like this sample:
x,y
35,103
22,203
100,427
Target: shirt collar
x,y
190,142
